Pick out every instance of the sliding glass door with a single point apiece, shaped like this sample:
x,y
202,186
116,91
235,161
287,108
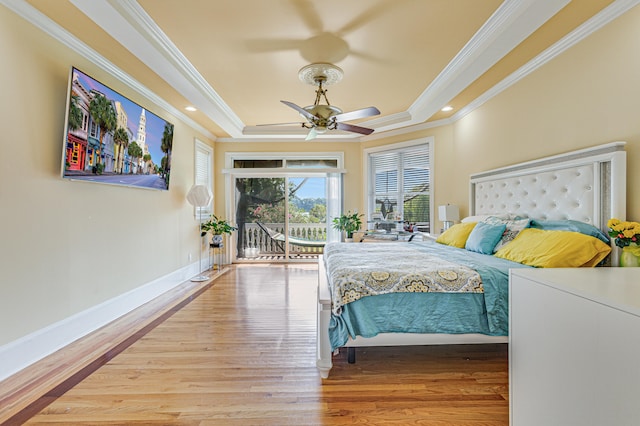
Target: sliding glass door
x,y
283,204
260,208
307,214
280,218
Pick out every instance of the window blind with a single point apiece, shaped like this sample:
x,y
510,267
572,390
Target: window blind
x,y
400,182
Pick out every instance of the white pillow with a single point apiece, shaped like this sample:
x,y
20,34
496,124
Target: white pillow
x,y
482,217
513,228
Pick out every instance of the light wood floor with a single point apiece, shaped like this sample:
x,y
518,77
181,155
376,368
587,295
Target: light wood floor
x,y
243,353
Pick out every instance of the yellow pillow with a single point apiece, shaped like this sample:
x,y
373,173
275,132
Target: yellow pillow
x,y
456,235
554,249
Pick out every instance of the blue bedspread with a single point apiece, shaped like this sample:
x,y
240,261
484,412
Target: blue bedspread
x,y
452,313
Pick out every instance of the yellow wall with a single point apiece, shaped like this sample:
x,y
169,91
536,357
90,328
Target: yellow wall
x,y
587,96
67,246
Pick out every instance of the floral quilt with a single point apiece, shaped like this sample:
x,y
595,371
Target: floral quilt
x,y
367,269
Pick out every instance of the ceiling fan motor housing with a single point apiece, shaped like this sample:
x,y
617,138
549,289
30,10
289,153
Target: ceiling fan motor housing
x,y
323,111
323,116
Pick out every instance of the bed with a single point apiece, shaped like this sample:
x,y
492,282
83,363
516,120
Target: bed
x,y
431,293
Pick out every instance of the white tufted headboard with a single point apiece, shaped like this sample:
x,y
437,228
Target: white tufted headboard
x,y
588,185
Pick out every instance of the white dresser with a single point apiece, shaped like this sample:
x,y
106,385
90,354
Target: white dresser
x,y
574,347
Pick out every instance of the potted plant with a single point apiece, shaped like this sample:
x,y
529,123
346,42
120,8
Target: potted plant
x,y
626,235
348,223
217,227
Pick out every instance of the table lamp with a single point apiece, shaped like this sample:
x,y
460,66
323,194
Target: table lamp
x,y
448,215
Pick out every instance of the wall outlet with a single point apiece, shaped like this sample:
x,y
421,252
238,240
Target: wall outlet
x,y
190,257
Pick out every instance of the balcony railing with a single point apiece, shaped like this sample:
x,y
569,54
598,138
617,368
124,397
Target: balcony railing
x,y
257,243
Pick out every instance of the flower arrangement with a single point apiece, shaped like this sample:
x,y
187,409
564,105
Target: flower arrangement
x,y
624,233
216,226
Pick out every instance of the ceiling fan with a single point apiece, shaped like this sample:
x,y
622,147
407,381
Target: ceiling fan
x,y
323,44
322,117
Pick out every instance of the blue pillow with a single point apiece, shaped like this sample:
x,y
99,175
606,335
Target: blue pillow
x,y
484,237
570,225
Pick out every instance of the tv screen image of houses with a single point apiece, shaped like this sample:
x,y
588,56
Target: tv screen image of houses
x,y
110,139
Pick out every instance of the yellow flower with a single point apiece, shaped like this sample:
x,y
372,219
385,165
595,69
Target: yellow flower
x,y
624,233
613,222
618,227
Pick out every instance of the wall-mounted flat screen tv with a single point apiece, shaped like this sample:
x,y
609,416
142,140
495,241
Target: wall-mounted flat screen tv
x,y
110,139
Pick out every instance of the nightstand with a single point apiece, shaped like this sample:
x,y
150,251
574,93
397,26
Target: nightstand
x,y
574,346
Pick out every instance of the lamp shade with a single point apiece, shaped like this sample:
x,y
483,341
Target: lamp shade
x,y
199,196
448,213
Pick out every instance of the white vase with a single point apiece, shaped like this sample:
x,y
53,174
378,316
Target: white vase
x,y
216,240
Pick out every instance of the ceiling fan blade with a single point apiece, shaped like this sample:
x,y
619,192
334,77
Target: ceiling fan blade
x,y
272,45
366,17
280,124
309,14
354,128
368,57
359,113
302,111
312,134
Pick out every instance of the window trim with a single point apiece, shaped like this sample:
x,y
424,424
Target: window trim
x,y
204,179
230,157
334,180
366,170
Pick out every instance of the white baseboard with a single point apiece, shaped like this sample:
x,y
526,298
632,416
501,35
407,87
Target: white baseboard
x,y
21,353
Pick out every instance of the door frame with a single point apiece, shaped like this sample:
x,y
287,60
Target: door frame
x,y
333,191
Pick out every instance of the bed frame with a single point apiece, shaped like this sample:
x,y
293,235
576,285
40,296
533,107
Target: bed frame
x,y
588,185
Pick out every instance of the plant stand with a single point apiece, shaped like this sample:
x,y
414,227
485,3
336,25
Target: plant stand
x,y
216,253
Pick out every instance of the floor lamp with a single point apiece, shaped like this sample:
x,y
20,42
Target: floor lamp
x,y
199,196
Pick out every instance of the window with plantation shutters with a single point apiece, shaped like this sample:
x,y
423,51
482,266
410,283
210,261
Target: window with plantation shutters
x,y
204,171
399,184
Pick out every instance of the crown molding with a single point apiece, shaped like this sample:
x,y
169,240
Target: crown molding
x,y
510,24
42,22
608,14
604,17
408,129
133,28
504,30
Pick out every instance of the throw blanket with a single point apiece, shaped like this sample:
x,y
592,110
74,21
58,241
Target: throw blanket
x,y
359,270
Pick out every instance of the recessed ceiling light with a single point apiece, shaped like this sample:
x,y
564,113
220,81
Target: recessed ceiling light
x,y
190,108
447,108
